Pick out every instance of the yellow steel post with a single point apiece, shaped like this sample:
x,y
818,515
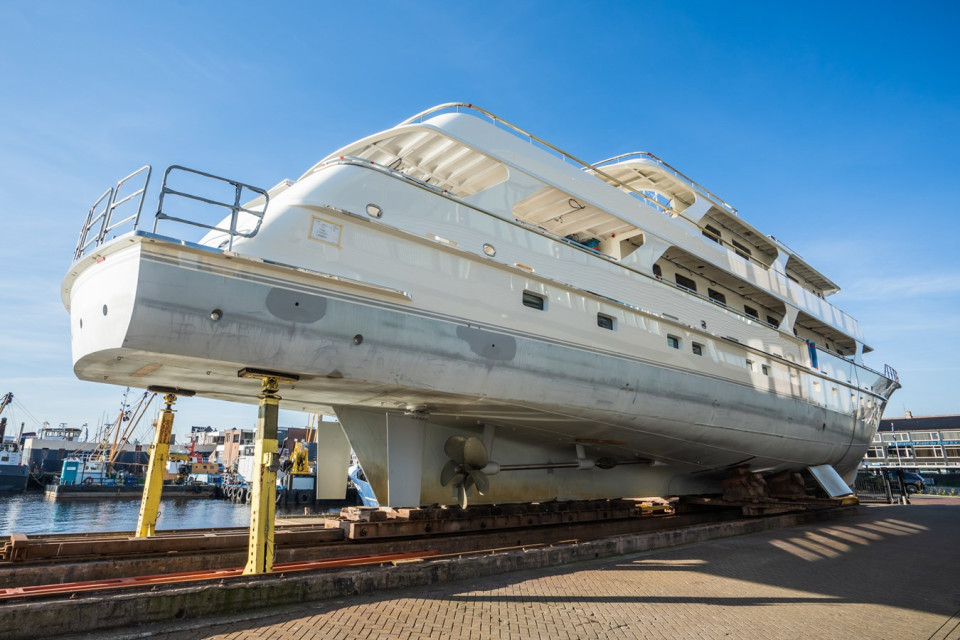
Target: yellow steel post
x,y
263,501
153,484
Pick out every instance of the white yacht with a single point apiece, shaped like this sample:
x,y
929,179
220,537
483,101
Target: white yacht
x,y
484,312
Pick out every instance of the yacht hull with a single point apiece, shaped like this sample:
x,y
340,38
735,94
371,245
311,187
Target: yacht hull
x,y
402,379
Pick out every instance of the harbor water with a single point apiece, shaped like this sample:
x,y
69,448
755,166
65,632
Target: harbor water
x,y
32,513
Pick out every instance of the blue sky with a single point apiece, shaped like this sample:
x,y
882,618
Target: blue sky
x,y
833,126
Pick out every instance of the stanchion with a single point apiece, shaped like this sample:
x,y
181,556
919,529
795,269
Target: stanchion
x,y
159,451
262,505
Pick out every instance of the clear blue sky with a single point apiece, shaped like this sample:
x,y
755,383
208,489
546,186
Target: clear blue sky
x,y
834,126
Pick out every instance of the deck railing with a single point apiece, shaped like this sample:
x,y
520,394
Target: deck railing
x,y
696,186
100,217
101,223
234,207
534,140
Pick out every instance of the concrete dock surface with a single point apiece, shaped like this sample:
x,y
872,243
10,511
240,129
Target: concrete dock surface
x,y
885,572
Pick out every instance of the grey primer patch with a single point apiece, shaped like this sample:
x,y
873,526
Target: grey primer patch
x,y
295,306
488,344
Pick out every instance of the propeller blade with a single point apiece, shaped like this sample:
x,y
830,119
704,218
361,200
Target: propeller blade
x,y
462,497
474,453
481,480
450,471
454,448
467,482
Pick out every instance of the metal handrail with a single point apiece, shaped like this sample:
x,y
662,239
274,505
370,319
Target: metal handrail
x,y
676,172
104,218
659,206
586,165
235,208
114,203
99,222
92,218
531,138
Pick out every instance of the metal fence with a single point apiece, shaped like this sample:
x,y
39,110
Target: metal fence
x,y
880,486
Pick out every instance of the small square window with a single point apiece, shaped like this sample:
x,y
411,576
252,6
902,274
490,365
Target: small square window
x,y
685,282
605,322
750,311
673,342
533,301
773,321
765,369
711,233
749,365
716,296
697,348
741,250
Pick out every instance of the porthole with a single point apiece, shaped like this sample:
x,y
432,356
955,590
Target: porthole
x,y
489,250
104,309
533,301
374,211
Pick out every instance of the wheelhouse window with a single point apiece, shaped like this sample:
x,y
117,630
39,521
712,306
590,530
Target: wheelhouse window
x,y
605,322
534,301
717,297
686,283
673,342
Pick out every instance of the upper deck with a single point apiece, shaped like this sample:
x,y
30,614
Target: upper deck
x,y
512,174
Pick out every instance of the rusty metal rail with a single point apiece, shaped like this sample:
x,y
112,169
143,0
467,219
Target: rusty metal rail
x,y
50,590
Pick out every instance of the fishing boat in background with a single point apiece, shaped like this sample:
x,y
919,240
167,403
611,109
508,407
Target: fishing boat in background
x,y
13,473
486,315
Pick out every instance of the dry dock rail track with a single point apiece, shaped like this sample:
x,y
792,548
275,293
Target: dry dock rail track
x,y
85,582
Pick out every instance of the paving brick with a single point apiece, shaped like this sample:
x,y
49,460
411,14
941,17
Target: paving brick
x,y
877,574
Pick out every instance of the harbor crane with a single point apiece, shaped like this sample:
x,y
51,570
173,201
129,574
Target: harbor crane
x,y
4,401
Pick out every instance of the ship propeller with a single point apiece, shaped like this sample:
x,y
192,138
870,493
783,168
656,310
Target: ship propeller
x,y
468,456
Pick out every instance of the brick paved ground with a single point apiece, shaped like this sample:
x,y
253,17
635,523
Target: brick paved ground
x,y
887,572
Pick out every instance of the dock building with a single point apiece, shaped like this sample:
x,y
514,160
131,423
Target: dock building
x,y
921,444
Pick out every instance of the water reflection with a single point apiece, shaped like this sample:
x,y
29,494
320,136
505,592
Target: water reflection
x,y
31,513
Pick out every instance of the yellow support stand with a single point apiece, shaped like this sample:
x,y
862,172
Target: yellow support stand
x,y
263,501
153,484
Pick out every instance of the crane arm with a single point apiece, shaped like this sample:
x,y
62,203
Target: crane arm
x,y
7,399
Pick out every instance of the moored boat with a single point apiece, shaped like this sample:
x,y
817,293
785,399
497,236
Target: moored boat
x,y
481,309
13,473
